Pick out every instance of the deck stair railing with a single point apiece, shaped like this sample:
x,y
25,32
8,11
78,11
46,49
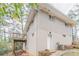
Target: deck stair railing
x,y
17,37
23,37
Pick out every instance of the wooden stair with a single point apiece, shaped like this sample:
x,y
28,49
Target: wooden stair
x,y
14,41
26,28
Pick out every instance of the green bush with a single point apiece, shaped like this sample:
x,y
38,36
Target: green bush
x,y
4,47
3,51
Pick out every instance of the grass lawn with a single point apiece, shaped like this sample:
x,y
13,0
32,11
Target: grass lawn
x,y
71,54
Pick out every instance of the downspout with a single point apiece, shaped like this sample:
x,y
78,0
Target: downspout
x,y
74,35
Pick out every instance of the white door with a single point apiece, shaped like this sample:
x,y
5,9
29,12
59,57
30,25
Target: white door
x,y
48,43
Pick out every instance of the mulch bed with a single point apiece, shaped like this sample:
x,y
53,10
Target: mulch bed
x,y
22,53
45,52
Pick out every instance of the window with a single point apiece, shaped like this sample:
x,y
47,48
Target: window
x,y
50,16
32,34
64,35
66,24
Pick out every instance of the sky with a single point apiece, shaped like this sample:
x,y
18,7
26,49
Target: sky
x,y
63,7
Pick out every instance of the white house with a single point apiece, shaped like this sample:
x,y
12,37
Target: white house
x,y
46,27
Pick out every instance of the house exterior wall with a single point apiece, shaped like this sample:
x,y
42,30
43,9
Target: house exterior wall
x,y
41,27
32,36
31,42
57,29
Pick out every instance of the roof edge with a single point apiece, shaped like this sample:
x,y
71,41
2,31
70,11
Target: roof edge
x,y
54,12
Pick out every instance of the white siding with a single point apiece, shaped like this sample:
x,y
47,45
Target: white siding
x,y
56,27
41,27
31,41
